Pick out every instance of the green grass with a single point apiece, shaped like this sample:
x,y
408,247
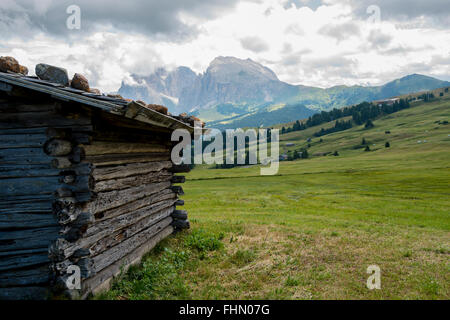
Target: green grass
x,y
311,231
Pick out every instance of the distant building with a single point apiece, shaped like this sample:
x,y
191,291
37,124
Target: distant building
x,y
388,102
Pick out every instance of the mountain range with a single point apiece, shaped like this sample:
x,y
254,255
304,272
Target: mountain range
x,y
234,92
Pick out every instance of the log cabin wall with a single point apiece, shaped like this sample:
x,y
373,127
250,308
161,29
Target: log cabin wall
x,y
79,188
38,141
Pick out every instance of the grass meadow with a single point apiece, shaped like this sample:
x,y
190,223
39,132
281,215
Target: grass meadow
x,y
311,231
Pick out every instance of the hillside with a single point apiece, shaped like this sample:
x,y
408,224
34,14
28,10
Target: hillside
x,y
311,231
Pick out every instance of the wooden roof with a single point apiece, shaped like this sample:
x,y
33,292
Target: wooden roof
x,y
129,110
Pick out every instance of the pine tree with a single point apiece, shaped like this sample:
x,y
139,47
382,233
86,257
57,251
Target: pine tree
x,y
387,145
363,142
369,124
367,149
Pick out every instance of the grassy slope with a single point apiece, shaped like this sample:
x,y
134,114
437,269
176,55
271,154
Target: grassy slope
x,y
311,231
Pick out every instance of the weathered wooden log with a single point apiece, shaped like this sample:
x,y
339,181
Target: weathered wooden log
x,y
58,147
116,172
78,154
23,261
39,185
38,119
181,168
81,253
115,134
12,107
62,249
124,183
61,163
178,179
122,159
24,156
165,194
23,252
122,249
180,215
104,228
24,293
41,204
27,239
117,237
74,128
75,230
178,190
112,199
22,141
42,170
58,133
105,148
81,138
102,279
25,277
10,221
181,224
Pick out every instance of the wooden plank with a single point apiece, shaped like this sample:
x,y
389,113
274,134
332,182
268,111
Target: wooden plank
x,y
40,119
20,107
24,156
113,199
102,280
125,247
105,148
34,204
23,261
101,230
10,220
133,169
117,237
39,186
24,293
28,140
123,159
25,277
165,194
124,183
41,170
27,239
120,134
24,252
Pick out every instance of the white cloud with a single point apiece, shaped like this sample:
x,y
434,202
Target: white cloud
x,y
298,42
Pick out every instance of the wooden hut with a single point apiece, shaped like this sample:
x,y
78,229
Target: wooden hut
x,y
86,180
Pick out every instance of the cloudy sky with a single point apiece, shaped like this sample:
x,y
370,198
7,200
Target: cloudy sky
x,y
311,42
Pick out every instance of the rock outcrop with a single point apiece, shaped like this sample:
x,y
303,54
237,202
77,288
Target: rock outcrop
x,y
80,82
158,108
52,74
10,64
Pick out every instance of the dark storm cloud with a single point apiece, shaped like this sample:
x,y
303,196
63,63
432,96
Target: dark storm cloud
x,y
437,11
154,18
254,44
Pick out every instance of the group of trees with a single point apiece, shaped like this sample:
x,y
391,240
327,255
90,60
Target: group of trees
x,y
338,126
361,114
364,112
301,154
